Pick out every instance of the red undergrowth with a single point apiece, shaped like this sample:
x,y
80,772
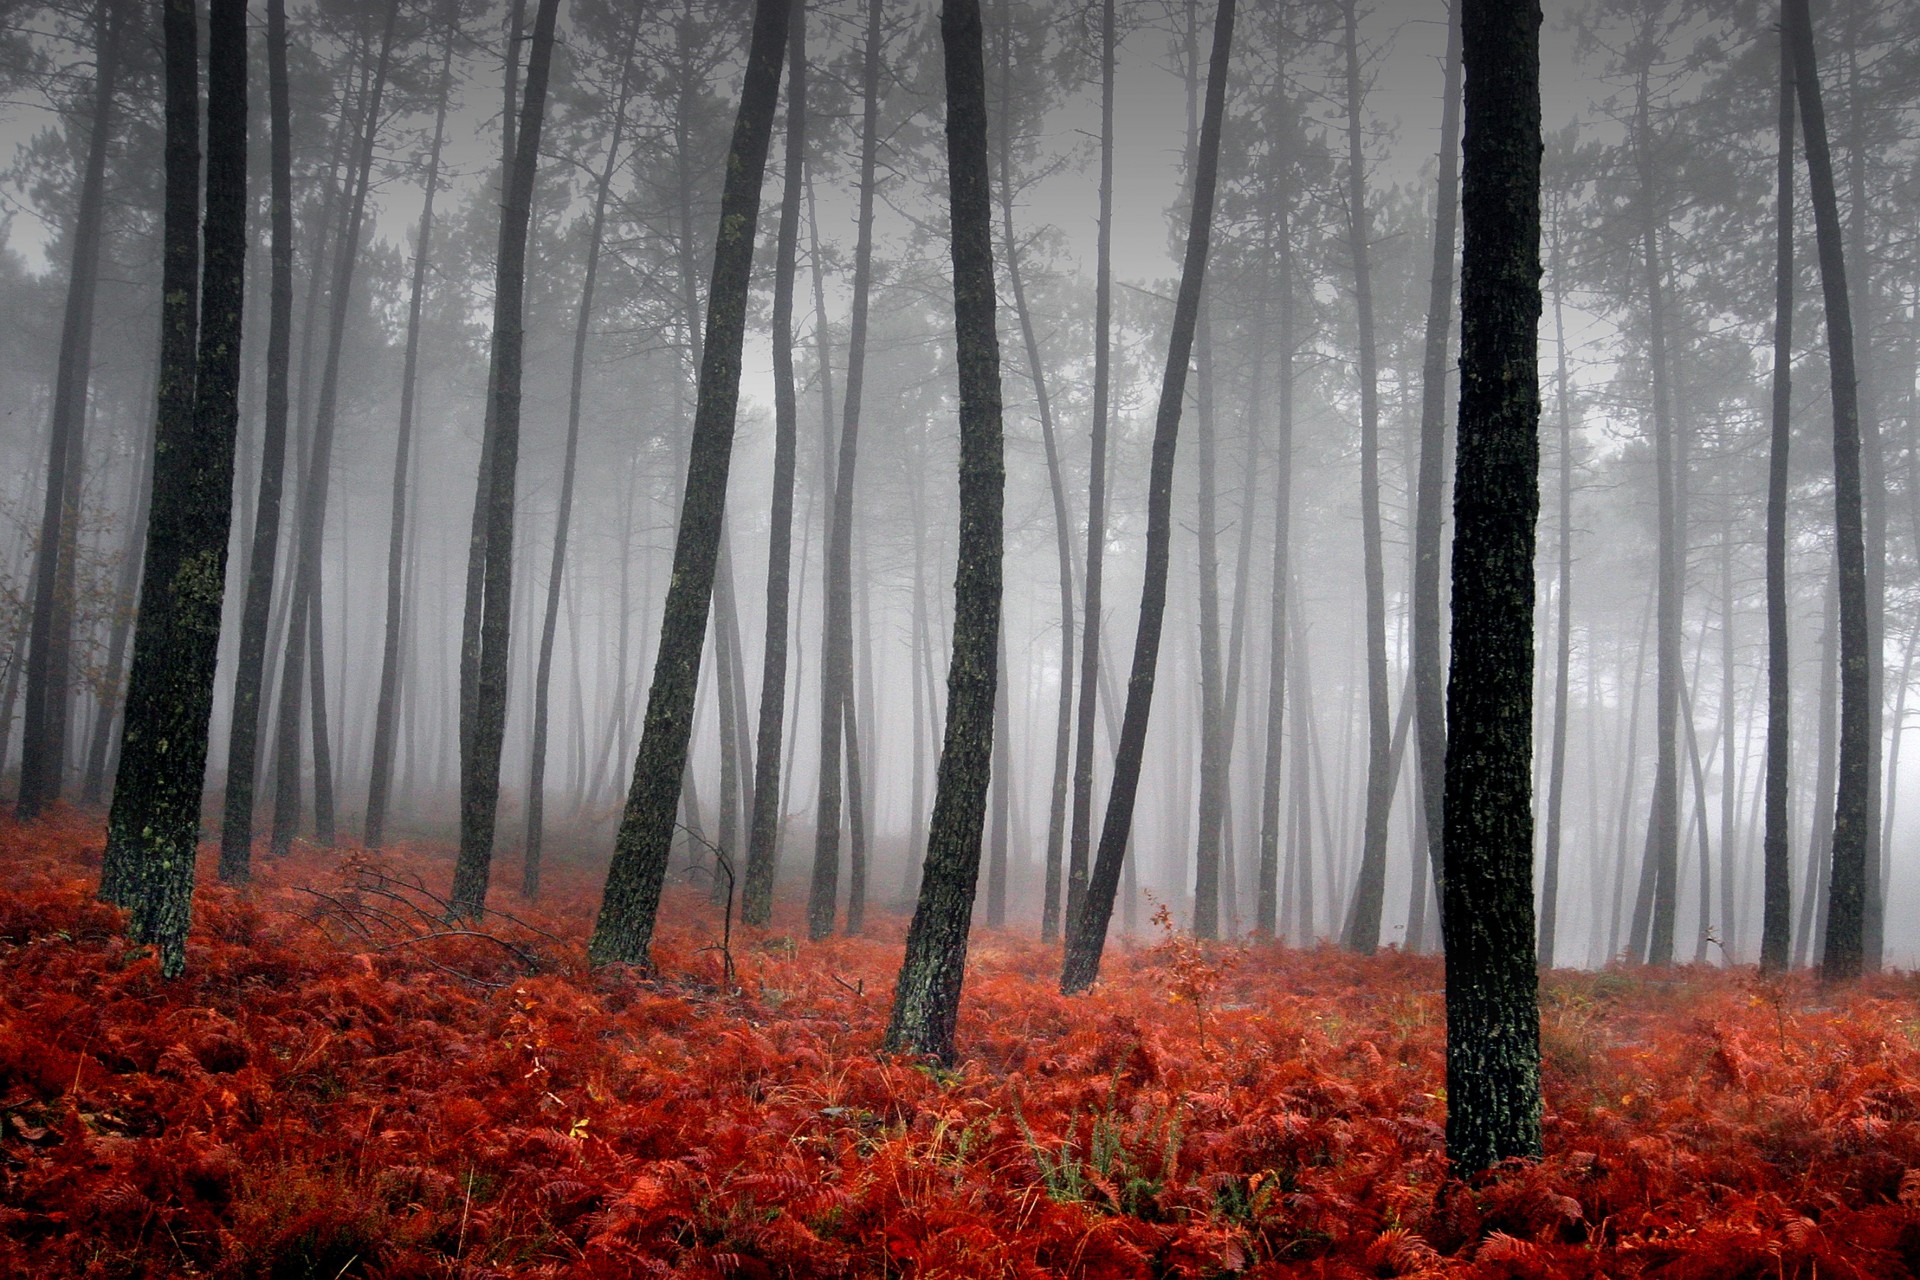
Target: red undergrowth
x,y
308,1104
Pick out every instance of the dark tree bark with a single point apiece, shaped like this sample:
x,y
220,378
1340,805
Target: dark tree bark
x,y
1844,953
926,999
1428,657
1776,906
153,828
1080,832
1369,898
43,745
556,570
304,651
1493,1020
836,643
386,716
483,711
1563,627
625,926
1087,931
243,736
763,829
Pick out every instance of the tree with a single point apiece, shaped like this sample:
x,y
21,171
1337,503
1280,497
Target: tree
x,y
926,999
1087,931
1493,1020
1563,628
1776,923
763,829
153,828
483,696
236,831
624,929
386,717
43,742
582,331
836,644
1844,954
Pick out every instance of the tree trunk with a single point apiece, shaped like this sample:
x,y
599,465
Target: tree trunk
x,y
1362,933
625,926
763,829
1563,630
483,702
582,331
153,828
44,737
387,709
125,598
1267,893
926,999
1080,832
1853,820
1429,676
1087,931
836,644
1493,1021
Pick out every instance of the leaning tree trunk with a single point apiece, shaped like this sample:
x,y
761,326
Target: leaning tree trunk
x,y
836,642
153,829
624,929
1080,831
483,709
763,827
926,999
1844,953
1087,931
236,832
1362,932
1429,675
386,716
1493,1019
556,570
1776,911
44,736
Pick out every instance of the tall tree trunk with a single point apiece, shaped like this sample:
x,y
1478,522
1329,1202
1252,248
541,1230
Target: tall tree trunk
x,y
243,735
836,644
1267,893
304,651
483,702
386,718
1429,676
556,571
625,926
1080,832
763,828
1563,629
1369,899
1493,1021
44,737
153,828
1000,799
1813,897
1056,485
1087,931
1853,820
926,999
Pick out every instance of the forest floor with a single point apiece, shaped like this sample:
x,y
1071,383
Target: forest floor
x,y
332,1091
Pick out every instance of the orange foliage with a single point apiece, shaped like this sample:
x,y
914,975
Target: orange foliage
x,y
296,1107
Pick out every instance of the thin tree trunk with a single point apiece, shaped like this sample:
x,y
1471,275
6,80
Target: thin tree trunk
x,y
483,702
836,644
1563,638
556,571
1844,954
1362,933
1088,929
387,708
1776,925
1493,1020
44,737
1080,831
625,926
763,828
926,999
153,828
